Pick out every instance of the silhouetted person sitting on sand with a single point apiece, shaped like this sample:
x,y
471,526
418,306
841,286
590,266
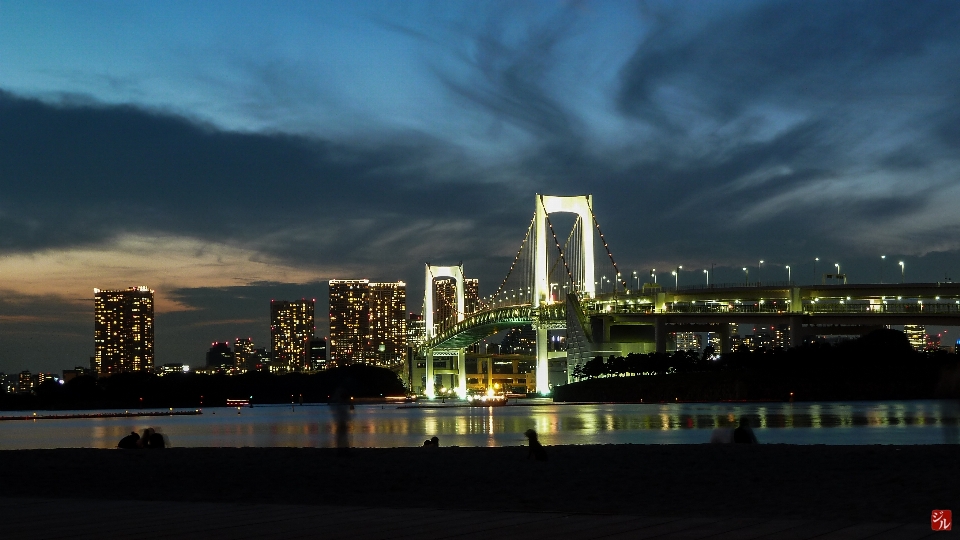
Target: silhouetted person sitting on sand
x,y
427,443
157,440
536,449
151,439
130,441
744,434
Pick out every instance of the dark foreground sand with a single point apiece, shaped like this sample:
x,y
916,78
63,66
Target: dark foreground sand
x,y
863,483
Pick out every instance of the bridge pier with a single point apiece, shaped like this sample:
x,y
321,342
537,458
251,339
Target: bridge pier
x,y
459,369
431,378
660,334
724,338
796,331
462,373
543,363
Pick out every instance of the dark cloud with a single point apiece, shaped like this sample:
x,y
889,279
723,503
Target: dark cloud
x,y
79,175
792,51
508,75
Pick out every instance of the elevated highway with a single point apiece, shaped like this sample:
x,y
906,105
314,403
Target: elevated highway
x,y
618,323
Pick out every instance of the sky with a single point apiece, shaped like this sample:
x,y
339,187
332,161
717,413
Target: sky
x,y
229,153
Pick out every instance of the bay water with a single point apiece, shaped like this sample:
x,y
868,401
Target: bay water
x,y
390,425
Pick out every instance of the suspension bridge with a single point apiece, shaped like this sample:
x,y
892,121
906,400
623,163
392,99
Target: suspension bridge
x,y
551,286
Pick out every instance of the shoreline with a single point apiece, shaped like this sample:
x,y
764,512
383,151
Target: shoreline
x,y
868,483
124,414
428,404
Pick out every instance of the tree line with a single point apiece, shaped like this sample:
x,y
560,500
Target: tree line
x,y
144,390
879,365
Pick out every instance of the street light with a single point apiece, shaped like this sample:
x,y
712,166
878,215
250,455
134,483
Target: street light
x,y
677,274
677,277
707,272
882,257
746,276
815,259
788,274
636,277
653,274
759,267
901,271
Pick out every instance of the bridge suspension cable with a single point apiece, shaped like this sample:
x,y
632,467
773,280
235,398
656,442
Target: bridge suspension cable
x,y
607,248
566,249
560,250
526,265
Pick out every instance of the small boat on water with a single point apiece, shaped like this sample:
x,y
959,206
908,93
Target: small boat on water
x,y
238,403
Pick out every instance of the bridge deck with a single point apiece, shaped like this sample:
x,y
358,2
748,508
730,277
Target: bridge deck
x,y
854,304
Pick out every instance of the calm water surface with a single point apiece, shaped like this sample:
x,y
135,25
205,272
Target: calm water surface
x,y
896,422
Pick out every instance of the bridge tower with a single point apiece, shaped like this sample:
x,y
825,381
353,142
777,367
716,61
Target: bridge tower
x,y
433,272
582,205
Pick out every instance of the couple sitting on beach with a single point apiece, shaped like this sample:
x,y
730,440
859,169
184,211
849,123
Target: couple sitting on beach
x,y
150,439
742,434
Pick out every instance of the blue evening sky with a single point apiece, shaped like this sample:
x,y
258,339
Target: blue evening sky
x,y
226,153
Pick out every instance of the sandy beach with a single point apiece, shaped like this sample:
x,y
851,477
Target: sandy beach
x,y
867,483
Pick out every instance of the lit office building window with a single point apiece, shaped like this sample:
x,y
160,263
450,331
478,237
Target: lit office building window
x,y
916,335
318,353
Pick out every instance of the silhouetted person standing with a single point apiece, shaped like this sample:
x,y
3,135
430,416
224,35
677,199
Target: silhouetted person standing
x,y
341,418
744,434
536,449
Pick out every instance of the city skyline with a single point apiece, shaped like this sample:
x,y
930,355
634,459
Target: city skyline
x,y
229,155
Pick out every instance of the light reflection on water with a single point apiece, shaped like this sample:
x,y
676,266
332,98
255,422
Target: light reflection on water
x,y
906,422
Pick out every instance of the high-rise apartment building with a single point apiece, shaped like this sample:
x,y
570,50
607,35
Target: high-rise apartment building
x,y
445,293
367,323
388,325
415,373
291,327
122,330
349,321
